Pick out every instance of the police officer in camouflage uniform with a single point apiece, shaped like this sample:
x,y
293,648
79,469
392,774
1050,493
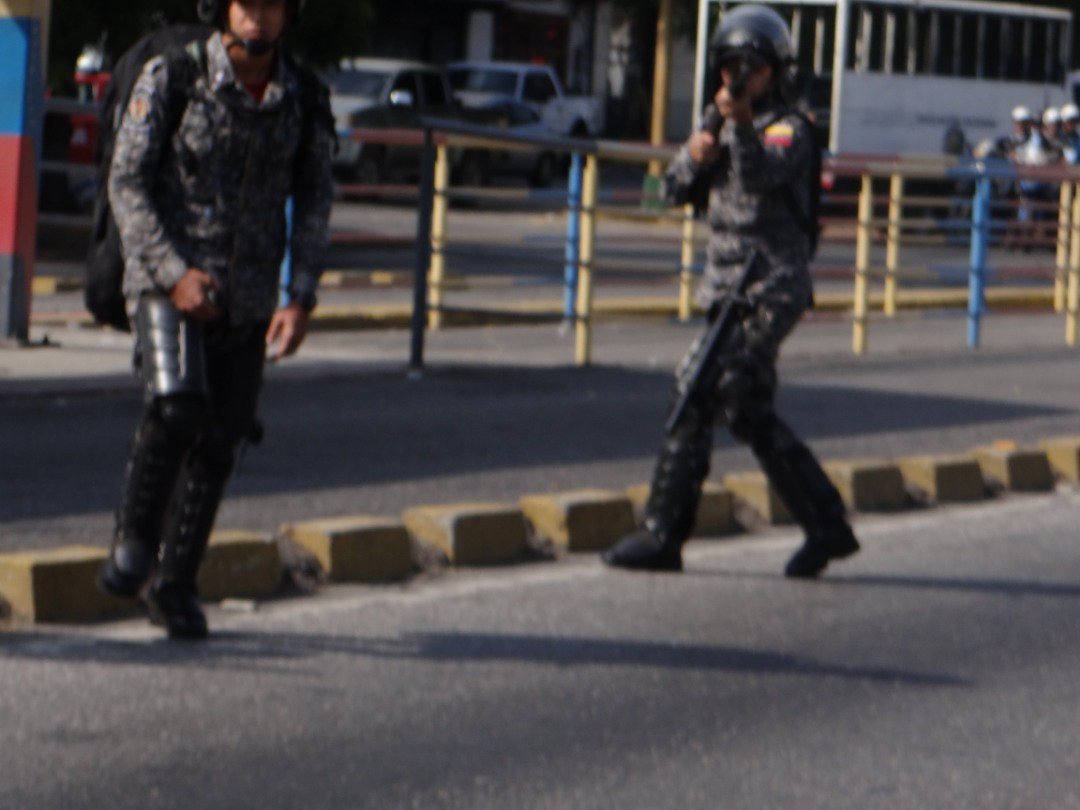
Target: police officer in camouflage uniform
x,y
213,142
755,159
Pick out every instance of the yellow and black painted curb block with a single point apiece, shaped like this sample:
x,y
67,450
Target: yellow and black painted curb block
x,y
59,585
360,548
1064,456
580,520
869,485
944,478
1015,469
470,533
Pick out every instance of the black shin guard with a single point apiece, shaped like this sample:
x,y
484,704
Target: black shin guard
x,y
153,464
173,600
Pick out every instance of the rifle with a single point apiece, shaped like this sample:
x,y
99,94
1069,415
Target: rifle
x,y
705,373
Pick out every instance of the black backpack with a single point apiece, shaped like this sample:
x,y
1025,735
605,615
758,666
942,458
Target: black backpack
x,y
184,48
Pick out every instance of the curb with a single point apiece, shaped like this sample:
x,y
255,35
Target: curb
x,y
343,317
355,549
470,533
58,585
580,520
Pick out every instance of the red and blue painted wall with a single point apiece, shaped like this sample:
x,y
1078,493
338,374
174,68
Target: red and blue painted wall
x,y
21,116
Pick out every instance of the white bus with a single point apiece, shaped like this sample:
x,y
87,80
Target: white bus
x,y
893,76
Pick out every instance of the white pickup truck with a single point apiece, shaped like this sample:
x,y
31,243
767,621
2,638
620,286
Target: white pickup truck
x,y
481,84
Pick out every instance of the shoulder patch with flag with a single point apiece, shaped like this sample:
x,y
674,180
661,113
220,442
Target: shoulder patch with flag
x,y
779,134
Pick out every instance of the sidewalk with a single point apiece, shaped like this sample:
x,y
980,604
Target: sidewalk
x,y
366,329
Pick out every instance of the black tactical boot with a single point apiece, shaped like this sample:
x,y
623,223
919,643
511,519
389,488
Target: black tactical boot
x,y
176,608
832,543
811,498
173,600
148,482
673,500
644,551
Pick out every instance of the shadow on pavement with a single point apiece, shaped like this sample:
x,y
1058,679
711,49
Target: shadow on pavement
x,y
998,587
237,650
369,430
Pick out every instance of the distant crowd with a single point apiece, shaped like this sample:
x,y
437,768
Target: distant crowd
x,y
1043,140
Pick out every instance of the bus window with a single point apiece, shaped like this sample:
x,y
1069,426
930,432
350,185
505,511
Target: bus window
x,y
992,55
967,45
912,35
1025,64
888,57
1011,54
866,50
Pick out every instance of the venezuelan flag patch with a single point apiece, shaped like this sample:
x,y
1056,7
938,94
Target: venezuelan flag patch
x,y
779,134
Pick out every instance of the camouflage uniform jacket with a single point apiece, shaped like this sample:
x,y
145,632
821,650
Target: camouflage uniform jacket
x,y
211,193
758,180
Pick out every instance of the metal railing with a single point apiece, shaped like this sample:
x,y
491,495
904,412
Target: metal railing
x,y
975,230
898,219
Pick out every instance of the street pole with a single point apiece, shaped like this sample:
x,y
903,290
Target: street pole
x,y
423,255
661,71
23,30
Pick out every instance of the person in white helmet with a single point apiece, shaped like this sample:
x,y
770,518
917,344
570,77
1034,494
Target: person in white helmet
x,y
1051,132
1023,125
1070,133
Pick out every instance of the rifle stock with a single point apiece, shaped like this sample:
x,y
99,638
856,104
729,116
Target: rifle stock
x,y
706,372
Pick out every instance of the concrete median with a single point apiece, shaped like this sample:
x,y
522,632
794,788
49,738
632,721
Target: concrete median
x,y
868,485
58,585
356,549
580,520
1015,469
470,533
1064,456
944,478
753,490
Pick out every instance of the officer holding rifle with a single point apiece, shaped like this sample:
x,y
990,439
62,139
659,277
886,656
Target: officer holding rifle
x,y
755,165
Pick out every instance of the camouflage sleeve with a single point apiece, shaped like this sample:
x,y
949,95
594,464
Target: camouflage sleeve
x,y
772,159
136,159
312,193
680,178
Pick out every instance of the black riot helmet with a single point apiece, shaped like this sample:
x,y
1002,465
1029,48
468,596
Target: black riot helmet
x,y
213,12
756,34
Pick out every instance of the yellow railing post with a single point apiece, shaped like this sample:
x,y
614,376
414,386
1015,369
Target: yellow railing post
x,y
437,274
583,332
892,247
1072,303
860,303
1063,253
686,268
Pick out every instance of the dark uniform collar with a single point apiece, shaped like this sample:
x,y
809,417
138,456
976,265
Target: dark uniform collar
x,y
223,79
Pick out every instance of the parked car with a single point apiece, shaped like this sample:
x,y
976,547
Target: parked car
x,y
390,94
479,84
541,167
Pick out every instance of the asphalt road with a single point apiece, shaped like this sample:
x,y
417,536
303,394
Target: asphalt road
x,y
937,669
500,414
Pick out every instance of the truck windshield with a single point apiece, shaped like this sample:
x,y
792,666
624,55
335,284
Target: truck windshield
x,y
484,80
365,83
